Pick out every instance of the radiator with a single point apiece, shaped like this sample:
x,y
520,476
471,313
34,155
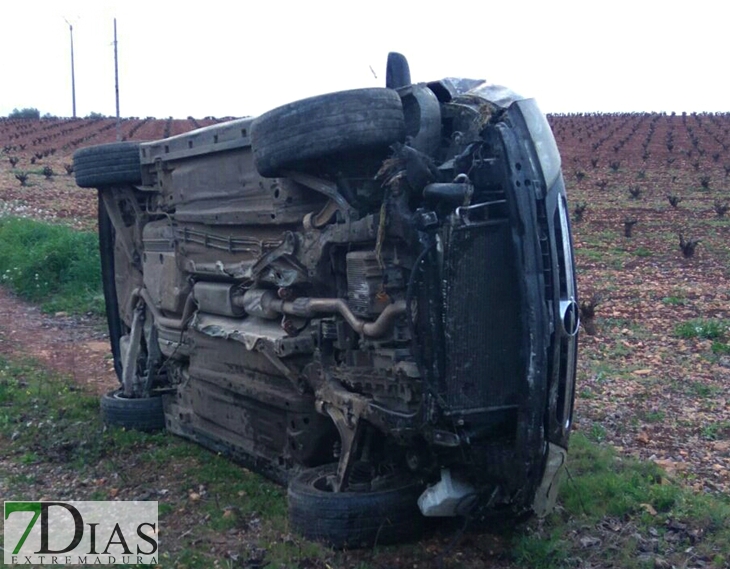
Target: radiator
x,y
483,324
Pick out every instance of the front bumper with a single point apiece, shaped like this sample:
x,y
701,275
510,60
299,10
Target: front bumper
x,y
505,385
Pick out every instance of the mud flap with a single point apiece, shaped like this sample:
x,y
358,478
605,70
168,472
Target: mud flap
x,y
547,492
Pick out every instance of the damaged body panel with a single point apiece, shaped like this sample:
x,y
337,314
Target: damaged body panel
x,y
367,295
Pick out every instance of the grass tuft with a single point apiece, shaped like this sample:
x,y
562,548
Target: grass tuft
x,y
606,485
705,329
53,265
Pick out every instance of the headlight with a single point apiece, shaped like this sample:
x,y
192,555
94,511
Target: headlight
x,y
542,136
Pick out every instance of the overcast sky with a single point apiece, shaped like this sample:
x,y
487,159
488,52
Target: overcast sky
x,y
243,58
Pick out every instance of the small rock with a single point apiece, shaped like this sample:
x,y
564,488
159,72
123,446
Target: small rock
x,y
613,524
676,525
694,535
590,541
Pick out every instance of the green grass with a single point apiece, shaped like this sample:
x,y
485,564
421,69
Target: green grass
x,y
53,265
720,348
606,488
540,551
654,416
35,171
597,433
715,431
700,389
52,420
604,484
586,393
705,329
618,351
47,425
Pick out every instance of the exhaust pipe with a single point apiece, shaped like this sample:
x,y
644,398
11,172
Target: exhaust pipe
x,y
265,304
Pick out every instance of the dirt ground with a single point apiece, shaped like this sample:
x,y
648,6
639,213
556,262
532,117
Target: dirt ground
x,y
75,346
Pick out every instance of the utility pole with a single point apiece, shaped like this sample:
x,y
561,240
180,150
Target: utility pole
x,y
116,79
73,79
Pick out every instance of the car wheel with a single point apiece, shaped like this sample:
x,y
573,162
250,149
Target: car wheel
x,y
327,126
142,414
353,519
112,164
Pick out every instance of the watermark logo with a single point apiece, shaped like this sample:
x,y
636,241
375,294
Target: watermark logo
x,y
80,533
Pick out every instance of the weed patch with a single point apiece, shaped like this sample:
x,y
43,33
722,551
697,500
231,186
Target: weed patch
x,y
710,329
540,551
720,348
701,390
715,431
624,513
654,416
606,485
54,265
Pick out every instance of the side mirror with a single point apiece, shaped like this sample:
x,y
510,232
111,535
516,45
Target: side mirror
x,y
397,72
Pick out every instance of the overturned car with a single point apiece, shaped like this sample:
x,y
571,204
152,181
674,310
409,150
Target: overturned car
x,y
367,295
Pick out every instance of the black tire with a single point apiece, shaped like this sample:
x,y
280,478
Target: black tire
x,y
338,124
104,165
109,286
144,414
352,519
397,71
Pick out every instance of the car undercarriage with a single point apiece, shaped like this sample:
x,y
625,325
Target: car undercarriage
x,y
367,295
